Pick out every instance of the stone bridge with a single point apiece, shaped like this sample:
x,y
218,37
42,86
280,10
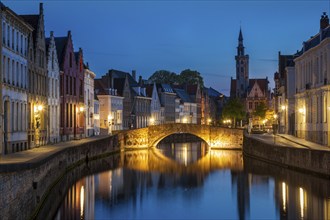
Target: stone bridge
x,y
215,137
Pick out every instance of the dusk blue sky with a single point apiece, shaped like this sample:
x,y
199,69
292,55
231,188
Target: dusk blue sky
x,y
175,35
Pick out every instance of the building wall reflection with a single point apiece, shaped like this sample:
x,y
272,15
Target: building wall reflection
x,y
294,195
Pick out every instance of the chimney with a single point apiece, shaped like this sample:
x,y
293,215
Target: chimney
x,y
52,34
134,74
41,8
140,80
324,21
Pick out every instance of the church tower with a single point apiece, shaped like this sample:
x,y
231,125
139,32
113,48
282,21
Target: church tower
x,y
242,69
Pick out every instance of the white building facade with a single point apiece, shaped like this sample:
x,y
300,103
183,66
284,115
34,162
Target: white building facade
x,y
89,102
313,88
111,111
53,73
14,66
96,116
155,107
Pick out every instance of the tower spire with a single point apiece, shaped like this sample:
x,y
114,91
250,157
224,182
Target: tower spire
x,y
240,37
240,48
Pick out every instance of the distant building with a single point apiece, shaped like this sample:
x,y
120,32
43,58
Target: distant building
x,y
251,92
14,34
257,93
216,102
240,85
96,115
155,105
89,101
284,93
195,94
53,72
111,105
167,100
312,87
187,108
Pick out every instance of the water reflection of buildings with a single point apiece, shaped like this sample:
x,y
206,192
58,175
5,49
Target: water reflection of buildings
x,y
296,202
294,195
79,201
297,195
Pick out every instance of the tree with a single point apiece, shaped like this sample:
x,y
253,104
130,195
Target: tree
x,y
163,76
260,111
234,109
191,77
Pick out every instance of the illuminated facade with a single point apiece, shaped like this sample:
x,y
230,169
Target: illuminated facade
x,y
53,91
37,80
15,33
71,89
89,101
313,88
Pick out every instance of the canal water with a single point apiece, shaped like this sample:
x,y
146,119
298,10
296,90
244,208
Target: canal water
x,y
183,179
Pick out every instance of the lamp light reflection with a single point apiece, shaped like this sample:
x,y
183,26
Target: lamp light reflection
x,y
284,196
82,198
302,201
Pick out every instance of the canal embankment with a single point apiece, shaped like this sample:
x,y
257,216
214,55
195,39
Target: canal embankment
x,y
294,154
26,178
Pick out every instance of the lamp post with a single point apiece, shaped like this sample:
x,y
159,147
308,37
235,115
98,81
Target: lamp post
x,y
110,119
209,121
283,107
37,116
275,127
152,121
79,111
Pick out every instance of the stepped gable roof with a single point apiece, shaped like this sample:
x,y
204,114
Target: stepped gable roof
x,y
263,84
182,94
47,42
60,43
76,56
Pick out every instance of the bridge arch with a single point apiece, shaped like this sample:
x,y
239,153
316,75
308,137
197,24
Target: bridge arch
x,y
162,137
215,137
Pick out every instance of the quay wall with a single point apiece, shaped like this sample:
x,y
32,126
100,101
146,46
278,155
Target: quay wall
x,y
24,190
303,159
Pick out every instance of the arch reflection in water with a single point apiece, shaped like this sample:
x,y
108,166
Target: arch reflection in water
x,y
183,148
148,184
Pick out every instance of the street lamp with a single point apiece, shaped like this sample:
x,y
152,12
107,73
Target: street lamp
x,y
283,107
184,120
152,121
110,124
209,121
37,116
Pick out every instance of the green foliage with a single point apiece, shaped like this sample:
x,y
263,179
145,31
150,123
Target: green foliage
x,y
234,109
260,110
186,76
163,76
191,77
